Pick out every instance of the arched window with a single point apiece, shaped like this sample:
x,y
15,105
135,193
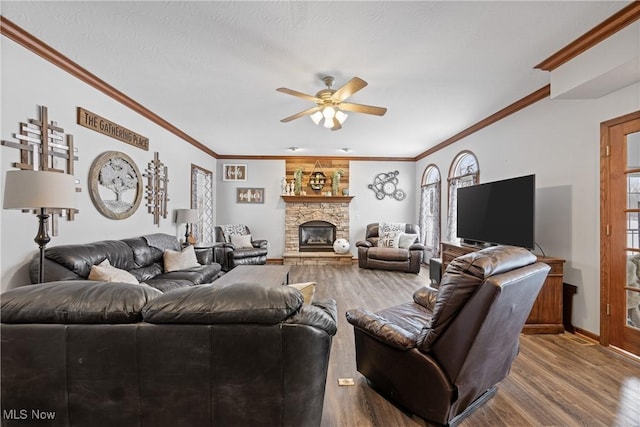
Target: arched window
x,y
464,171
429,220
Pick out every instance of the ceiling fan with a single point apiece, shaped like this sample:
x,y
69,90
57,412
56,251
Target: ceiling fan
x,y
330,103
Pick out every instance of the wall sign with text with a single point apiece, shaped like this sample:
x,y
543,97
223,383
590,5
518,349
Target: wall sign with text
x,y
106,127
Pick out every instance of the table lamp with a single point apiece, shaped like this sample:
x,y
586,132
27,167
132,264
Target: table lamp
x,y
26,189
187,216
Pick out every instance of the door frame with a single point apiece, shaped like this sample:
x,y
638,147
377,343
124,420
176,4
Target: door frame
x,y
605,223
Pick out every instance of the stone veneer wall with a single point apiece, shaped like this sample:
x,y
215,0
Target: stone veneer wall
x,y
298,213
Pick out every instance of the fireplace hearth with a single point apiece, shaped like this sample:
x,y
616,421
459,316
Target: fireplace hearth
x,y
316,236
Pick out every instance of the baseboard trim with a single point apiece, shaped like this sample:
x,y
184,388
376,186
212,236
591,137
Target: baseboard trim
x,y
587,334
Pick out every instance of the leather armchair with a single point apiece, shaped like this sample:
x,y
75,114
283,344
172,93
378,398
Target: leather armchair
x,y
442,354
385,258
230,255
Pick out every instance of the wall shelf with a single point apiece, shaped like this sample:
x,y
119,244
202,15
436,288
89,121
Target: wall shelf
x,y
317,199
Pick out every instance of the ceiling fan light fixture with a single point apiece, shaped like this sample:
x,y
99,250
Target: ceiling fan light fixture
x,y
328,113
341,116
329,103
316,117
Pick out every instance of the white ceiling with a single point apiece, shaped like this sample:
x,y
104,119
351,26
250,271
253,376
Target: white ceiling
x,y
211,68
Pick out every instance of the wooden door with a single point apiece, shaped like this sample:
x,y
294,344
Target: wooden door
x,y
620,233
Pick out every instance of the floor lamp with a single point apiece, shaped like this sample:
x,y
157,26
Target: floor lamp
x,y
40,190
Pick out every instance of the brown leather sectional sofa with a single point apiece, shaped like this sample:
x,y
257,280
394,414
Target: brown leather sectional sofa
x,y
140,256
115,354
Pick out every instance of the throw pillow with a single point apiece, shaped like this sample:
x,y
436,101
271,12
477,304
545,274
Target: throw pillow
x,y
406,240
389,234
241,240
389,239
105,272
179,260
308,289
229,229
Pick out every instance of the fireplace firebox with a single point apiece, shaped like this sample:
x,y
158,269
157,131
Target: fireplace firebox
x,y
316,236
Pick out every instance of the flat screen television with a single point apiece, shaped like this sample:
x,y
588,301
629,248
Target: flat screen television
x,y
499,212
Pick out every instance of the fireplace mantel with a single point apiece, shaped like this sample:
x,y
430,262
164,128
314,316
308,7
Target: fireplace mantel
x,y
317,199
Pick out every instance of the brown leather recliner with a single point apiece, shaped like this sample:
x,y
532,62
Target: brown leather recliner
x,y
442,355
370,255
231,255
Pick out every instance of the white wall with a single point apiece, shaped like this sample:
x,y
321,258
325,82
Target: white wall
x,y
266,221
27,82
559,141
365,208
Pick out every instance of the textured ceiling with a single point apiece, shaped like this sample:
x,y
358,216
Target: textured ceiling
x,y
211,68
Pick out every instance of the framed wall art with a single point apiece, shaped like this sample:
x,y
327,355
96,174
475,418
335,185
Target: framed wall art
x,y
115,185
249,195
234,172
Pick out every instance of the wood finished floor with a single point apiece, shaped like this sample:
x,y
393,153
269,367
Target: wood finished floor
x,y
556,380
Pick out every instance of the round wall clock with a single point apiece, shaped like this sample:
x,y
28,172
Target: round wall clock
x,y
115,185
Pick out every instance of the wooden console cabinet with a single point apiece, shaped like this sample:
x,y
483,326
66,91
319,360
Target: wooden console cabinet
x,y
546,314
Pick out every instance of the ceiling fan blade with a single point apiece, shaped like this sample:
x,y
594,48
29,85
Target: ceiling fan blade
x,y
361,108
351,87
298,94
336,124
300,114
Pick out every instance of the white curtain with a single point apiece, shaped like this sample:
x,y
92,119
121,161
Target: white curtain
x,y
429,220
202,200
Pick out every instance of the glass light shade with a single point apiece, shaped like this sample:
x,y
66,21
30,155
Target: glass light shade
x,y
328,123
341,116
25,189
328,113
316,117
186,216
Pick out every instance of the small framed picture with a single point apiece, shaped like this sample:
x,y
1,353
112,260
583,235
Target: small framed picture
x,y
249,195
234,172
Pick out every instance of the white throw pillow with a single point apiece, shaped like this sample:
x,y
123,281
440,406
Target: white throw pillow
x,y
179,260
406,240
241,240
389,239
105,272
389,234
308,289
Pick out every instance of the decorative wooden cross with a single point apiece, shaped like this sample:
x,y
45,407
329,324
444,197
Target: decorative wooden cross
x,y
157,176
44,146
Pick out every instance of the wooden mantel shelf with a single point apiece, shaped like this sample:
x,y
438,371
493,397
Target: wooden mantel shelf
x,y
317,199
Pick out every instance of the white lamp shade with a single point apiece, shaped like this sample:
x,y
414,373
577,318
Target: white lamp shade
x,y
316,117
184,216
39,189
341,116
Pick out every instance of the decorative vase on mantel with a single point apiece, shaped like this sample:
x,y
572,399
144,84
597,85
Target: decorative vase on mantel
x,y
335,181
297,175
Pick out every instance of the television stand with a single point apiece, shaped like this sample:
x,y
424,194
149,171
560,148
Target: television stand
x,y
546,314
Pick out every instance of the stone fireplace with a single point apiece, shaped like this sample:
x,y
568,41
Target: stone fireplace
x,y
315,210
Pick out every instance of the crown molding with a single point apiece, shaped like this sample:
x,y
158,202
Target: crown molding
x,y
605,29
35,45
532,98
319,158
